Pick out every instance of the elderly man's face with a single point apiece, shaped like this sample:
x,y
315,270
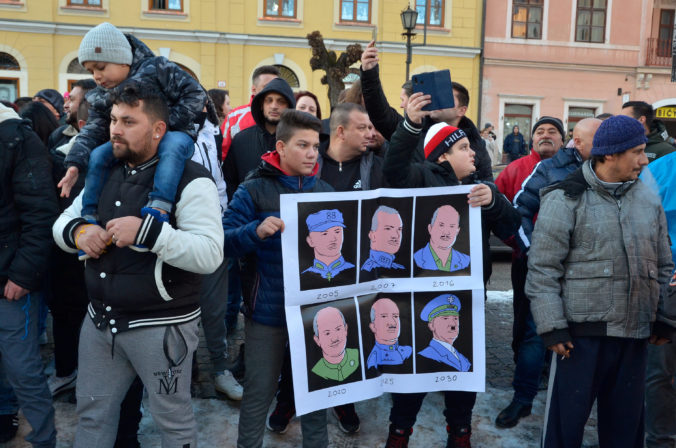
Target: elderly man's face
x,y
445,328
445,228
328,243
131,133
385,325
387,237
331,332
547,140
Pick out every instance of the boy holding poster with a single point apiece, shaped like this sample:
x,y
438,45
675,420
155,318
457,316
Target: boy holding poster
x,y
449,161
253,230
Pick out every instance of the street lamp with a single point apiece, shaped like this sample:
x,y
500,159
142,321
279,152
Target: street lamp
x,y
409,17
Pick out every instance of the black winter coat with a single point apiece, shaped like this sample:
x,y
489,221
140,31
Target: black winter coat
x,y
28,206
386,119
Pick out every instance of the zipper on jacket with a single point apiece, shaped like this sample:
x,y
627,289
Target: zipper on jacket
x,y
340,167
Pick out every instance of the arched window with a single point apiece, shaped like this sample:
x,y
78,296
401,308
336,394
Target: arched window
x,y
288,75
7,62
75,68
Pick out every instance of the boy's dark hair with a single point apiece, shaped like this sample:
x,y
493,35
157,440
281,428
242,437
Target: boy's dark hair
x,y
295,120
85,84
408,87
264,70
340,115
641,109
131,92
83,110
462,94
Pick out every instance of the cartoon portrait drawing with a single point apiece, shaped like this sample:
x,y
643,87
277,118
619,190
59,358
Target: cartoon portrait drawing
x,y
442,315
386,327
330,334
385,239
438,254
325,236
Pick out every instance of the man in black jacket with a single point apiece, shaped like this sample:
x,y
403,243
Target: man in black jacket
x,y
64,133
385,118
250,144
27,209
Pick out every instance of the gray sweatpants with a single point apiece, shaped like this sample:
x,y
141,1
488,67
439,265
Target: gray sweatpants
x,y
106,371
20,360
263,357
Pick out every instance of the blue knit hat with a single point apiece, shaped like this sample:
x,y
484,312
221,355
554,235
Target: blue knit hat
x,y
617,134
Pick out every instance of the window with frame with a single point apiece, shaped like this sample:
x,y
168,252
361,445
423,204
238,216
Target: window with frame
x,y
166,5
355,11
284,9
430,12
91,3
590,25
527,19
666,32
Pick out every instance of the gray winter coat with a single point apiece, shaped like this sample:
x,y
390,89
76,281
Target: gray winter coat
x,y
599,266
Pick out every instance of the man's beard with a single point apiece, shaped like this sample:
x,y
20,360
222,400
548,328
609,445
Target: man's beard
x,y
273,122
123,152
71,119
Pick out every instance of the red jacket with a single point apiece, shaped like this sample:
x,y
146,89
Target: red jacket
x,y
238,119
510,180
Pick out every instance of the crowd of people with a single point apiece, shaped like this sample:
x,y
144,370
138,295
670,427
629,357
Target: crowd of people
x,y
140,205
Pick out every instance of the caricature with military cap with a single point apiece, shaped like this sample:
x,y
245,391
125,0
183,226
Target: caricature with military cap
x,y
442,315
325,236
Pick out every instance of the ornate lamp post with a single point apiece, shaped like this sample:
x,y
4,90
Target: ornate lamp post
x,y
409,17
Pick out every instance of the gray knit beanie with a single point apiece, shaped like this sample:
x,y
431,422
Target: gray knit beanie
x,y
105,43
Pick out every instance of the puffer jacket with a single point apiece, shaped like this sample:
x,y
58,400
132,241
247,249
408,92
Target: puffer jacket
x,y
400,172
262,273
184,95
546,173
28,204
250,144
599,264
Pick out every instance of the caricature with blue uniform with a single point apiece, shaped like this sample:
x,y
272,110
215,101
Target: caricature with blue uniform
x,y
385,236
326,238
438,254
442,315
386,327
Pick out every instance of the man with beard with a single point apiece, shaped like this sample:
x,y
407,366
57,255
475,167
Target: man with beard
x,y
63,134
337,362
442,315
438,254
386,326
144,306
250,144
326,238
385,236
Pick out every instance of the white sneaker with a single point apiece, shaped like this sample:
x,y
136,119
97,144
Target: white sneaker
x,y
58,384
227,384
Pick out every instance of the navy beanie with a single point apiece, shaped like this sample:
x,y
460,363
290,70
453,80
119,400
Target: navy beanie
x,y
617,134
550,120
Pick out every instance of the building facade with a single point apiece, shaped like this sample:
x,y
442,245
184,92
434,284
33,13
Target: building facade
x,y
221,42
574,59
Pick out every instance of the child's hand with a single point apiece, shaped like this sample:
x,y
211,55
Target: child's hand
x,y
415,104
480,195
269,227
69,179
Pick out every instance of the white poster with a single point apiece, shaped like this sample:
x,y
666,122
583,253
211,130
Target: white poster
x,y
384,293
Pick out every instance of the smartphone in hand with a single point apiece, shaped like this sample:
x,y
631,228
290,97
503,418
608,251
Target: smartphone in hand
x,y
438,85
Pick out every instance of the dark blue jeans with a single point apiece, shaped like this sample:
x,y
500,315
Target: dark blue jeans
x,y
174,150
234,293
530,361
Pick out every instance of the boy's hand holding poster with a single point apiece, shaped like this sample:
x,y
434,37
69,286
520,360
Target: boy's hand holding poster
x,y
384,293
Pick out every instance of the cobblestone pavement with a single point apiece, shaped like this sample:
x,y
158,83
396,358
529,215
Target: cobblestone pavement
x,y
217,417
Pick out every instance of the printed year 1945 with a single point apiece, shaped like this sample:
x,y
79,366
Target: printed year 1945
x,y
336,392
445,378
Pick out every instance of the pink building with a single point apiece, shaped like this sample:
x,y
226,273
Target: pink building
x,y
574,59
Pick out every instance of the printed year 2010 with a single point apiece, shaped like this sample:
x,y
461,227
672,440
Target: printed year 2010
x,y
442,283
328,295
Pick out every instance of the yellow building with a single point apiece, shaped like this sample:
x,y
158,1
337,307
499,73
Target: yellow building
x,y
222,41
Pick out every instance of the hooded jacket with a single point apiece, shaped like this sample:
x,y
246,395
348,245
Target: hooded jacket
x,y
262,273
250,144
657,146
184,95
599,263
28,204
